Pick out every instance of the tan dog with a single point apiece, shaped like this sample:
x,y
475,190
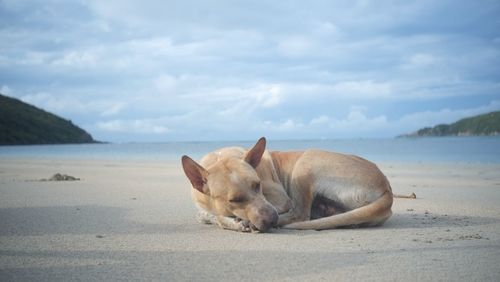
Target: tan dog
x,y
257,189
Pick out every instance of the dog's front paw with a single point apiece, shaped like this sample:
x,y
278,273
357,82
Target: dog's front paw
x,y
205,217
243,225
233,223
248,226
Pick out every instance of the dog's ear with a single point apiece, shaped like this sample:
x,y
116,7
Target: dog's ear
x,y
196,173
254,156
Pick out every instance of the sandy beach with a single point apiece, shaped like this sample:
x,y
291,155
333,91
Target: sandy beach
x,y
135,220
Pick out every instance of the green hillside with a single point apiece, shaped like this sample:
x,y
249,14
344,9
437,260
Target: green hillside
x,y
23,124
481,125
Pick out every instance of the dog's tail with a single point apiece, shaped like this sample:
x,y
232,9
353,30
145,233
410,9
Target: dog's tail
x,y
411,196
372,214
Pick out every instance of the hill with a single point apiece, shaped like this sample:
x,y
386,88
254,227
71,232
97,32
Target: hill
x,y
481,125
24,124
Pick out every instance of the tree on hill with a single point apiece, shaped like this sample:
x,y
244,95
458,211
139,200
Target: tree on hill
x,y
481,125
23,124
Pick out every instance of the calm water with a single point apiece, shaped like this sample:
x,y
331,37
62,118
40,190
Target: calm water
x,y
452,149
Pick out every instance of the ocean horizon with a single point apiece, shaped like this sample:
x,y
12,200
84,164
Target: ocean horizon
x,y
422,149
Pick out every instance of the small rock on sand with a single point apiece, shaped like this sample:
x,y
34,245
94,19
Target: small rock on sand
x,y
61,177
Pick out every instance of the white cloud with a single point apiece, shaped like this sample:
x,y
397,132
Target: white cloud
x,y
33,58
5,90
113,109
140,126
286,126
417,120
76,59
355,122
295,46
70,104
255,67
351,90
234,97
165,82
422,59
357,119
325,28
321,120
289,124
54,103
269,96
358,124
365,89
12,5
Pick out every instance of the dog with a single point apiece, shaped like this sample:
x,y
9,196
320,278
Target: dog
x,y
257,189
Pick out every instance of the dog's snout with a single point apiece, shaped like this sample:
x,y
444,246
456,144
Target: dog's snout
x,y
274,221
267,219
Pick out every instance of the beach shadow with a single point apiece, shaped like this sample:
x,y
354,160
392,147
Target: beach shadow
x,y
206,265
31,221
99,220
189,265
407,221
429,220
231,263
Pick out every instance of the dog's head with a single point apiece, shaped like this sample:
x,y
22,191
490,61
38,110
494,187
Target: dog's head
x,y
231,187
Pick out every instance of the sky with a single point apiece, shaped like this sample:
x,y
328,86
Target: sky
x,y
159,71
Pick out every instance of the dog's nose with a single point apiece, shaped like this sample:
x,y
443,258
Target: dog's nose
x,y
268,220
275,219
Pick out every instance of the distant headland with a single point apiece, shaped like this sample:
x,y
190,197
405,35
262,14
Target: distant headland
x,y
24,124
481,125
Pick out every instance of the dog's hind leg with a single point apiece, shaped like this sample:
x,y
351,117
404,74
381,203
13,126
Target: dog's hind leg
x,y
372,214
302,198
276,195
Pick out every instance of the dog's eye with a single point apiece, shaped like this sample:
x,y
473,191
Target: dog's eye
x,y
237,199
256,186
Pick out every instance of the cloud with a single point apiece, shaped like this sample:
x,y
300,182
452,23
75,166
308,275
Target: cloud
x,y
141,126
295,46
165,83
417,120
421,60
113,109
75,59
286,126
5,90
55,103
325,29
321,120
269,95
365,89
356,123
238,98
323,69
67,105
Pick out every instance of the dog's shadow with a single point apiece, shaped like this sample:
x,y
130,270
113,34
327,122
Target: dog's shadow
x,y
413,220
417,220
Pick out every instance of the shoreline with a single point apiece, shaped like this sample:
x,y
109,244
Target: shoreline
x,y
135,220
177,159
425,150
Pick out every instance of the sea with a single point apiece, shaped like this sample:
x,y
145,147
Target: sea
x,y
427,149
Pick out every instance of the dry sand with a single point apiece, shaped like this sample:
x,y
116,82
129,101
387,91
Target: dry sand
x,y
136,221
